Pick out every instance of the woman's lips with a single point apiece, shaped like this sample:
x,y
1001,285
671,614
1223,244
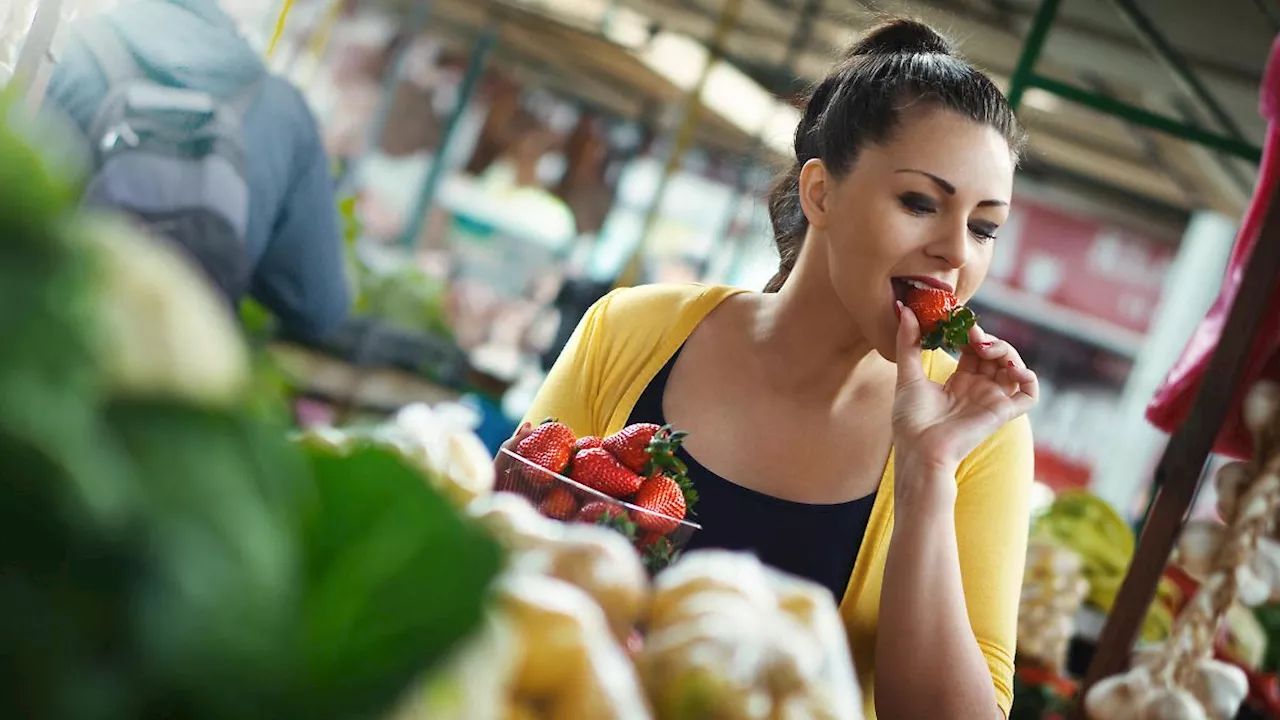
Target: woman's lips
x,y
926,283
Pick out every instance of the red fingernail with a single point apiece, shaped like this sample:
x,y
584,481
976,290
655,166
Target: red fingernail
x,y
985,345
1012,365
897,308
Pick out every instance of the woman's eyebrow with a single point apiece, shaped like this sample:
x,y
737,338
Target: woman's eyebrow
x,y
948,188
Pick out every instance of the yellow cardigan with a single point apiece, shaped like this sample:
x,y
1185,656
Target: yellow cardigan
x,y
630,334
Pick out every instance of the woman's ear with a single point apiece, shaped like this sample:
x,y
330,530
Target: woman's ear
x,y
815,183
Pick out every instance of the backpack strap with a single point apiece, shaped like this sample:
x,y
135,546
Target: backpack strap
x,y
112,55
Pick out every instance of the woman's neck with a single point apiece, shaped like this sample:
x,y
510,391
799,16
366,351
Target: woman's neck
x,y
807,340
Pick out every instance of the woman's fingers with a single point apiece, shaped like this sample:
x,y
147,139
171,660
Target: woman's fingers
x,y
910,364
502,463
1028,382
997,360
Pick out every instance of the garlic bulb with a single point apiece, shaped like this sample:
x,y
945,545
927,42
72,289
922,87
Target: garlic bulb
x,y
1265,563
1172,704
1219,687
1260,406
1251,590
442,442
1119,697
1230,483
1198,547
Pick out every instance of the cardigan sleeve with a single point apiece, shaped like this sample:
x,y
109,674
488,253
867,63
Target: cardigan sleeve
x,y
571,390
992,524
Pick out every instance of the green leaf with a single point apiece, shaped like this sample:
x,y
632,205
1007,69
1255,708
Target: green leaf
x,y
933,340
215,608
396,578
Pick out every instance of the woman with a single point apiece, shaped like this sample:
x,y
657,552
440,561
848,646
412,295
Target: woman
x,y
903,488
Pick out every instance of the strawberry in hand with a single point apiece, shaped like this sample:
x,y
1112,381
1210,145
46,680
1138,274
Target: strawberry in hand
x,y
944,323
936,426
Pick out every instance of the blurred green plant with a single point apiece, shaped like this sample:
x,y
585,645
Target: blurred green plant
x,y
161,560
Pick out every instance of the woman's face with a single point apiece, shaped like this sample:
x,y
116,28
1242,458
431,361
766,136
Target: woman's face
x,y
925,207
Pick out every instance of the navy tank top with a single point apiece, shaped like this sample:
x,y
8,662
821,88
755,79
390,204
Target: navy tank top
x,y
818,542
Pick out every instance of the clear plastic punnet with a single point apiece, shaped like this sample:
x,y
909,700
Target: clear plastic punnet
x,y
657,536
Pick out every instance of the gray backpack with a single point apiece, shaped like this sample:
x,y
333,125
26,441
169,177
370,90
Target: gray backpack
x,y
174,159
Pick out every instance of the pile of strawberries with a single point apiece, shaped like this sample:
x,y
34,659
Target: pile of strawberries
x,y
636,465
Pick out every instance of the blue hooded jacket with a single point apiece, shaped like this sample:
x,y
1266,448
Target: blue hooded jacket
x,y
293,237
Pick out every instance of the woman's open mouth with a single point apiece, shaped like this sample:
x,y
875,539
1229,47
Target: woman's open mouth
x,y
902,286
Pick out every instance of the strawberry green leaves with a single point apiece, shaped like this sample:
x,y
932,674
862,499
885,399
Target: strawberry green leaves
x,y
953,333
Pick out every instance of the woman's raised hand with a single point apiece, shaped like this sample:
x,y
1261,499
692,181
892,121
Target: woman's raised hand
x,y
936,426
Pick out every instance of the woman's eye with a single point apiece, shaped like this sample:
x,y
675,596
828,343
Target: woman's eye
x,y
984,231
917,203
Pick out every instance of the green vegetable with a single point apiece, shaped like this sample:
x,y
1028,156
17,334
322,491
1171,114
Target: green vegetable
x,y
396,578
167,558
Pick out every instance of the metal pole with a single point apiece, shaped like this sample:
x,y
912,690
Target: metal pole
x,y
427,193
277,31
1031,47
387,98
35,52
1146,118
729,12
1178,65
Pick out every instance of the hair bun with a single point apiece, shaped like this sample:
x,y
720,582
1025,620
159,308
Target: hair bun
x,y
902,37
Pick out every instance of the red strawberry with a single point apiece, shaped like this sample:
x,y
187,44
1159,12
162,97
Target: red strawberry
x,y
663,496
943,322
587,441
931,306
596,510
559,504
550,445
645,448
649,539
631,445
600,471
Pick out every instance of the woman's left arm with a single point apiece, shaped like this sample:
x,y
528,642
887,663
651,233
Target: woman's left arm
x,y
948,606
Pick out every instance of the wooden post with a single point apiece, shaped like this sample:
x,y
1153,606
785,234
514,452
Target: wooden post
x,y
1179,472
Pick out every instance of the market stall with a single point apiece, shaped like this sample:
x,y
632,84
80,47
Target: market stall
x,y
430,331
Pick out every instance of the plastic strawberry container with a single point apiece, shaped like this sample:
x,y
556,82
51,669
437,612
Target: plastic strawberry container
x,y
658,537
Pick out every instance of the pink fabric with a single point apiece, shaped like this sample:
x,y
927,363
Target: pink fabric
x,y
1173,399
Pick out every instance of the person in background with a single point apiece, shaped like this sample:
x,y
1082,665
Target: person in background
x,y
821,437
292,239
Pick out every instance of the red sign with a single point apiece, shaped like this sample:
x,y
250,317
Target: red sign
x,y
1061,473
1073,261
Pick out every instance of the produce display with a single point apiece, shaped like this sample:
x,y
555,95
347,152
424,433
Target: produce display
x,y
1180,678
1053,589
577,631
944,322
730,638
630,481
1084,523
170,553
439,442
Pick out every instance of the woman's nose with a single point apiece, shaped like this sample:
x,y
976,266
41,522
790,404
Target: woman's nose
x,y
952,247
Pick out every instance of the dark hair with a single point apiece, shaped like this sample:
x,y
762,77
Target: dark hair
x,y
899,64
